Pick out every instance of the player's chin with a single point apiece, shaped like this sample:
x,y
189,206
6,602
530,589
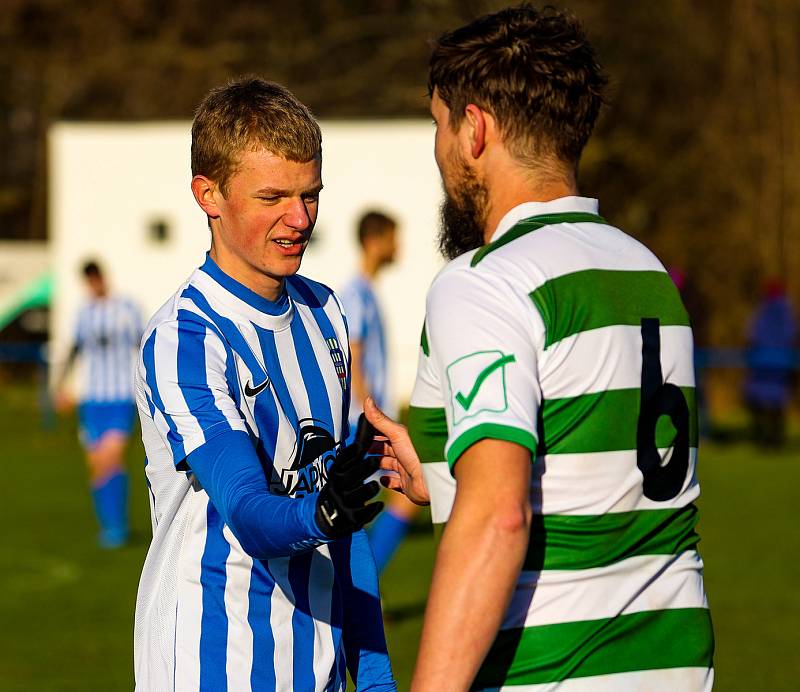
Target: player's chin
x,y
286,266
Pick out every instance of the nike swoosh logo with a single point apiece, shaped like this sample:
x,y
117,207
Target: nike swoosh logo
x,y
252,391
466,401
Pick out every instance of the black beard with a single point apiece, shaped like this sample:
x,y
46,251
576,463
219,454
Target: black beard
x,y
463,217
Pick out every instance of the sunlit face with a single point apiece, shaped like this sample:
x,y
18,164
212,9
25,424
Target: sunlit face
x,y
446,144
382,246
266,219
389,246
96,285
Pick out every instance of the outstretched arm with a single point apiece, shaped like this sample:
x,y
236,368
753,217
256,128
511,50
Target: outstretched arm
x,y
265,525
206,433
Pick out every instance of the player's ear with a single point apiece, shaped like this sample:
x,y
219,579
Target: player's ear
x,y
206,192
476,120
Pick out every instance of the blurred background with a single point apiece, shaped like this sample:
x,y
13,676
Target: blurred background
x,y
697,154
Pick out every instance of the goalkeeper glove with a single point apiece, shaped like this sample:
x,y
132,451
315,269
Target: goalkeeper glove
x,y
342,505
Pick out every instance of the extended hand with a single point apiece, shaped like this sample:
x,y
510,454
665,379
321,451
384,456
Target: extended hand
x,y
342,506
397,455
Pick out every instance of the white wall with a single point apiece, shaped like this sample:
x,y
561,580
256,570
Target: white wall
x,y
108,182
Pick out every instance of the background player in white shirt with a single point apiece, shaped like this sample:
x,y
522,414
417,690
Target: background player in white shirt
x,y
107,332
554,405
258,577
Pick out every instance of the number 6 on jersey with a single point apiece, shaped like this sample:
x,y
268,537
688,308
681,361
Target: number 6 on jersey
x,y
659,398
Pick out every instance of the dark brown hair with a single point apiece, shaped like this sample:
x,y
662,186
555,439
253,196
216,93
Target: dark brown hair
x,y
250,113
374,223
91,268
533,70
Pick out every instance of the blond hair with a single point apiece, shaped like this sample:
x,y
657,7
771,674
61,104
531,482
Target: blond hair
x,y
250,113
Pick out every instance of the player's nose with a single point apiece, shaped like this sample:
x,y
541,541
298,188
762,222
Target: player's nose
x,y
297,215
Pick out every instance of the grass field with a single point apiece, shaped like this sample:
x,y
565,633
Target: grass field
x,y
66,607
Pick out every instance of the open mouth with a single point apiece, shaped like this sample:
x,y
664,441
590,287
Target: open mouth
x,y
290,247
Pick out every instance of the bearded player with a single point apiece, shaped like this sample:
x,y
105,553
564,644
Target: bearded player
x,y
554,409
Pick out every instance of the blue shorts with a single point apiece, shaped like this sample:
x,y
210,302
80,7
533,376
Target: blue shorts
x,y
98,418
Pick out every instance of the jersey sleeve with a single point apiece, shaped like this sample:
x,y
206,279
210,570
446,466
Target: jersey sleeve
x,y
482,341
427,426
188,380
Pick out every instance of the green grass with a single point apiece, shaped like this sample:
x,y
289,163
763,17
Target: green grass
x,y
66,607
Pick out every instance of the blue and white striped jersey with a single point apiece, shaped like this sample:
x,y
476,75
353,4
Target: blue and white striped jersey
x,y
365,325
107,334
218,357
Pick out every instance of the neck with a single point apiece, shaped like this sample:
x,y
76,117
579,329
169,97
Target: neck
x,y
370,266
269,287
510,186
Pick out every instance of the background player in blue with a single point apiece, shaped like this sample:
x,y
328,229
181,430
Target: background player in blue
x,y
377,237
107,333
255,579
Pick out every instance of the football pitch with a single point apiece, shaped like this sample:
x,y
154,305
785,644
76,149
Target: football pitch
x,y
66,607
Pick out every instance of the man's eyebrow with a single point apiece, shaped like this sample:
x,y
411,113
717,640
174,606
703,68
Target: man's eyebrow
x,y
279,192
272,192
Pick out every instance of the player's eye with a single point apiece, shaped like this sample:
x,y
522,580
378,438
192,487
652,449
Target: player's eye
x,y
270,199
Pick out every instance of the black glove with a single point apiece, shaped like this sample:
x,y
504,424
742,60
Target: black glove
x,y
342,505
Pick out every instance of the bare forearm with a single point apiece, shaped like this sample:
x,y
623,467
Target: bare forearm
x,y
477,566
67,367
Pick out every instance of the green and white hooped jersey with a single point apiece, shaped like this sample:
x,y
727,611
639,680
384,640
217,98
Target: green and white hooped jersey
x,y
567,336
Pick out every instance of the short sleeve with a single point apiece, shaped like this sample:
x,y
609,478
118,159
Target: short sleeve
x,y
188,378
355,310
427,425
482,339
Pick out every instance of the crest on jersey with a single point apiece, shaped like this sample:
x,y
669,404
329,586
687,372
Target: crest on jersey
x,y
314,452
338,361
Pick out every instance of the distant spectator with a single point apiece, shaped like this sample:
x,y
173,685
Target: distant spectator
x,y
107,333
768,388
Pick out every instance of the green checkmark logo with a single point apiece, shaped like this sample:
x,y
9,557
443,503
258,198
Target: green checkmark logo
x,y
466,401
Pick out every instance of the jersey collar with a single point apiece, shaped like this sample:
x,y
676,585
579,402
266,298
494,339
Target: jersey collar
x,y
265,313
555,206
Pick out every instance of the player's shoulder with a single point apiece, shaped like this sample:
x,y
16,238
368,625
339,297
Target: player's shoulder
x,y
179,311
126,304
84,310
458,278
355,288
312,293
531,255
